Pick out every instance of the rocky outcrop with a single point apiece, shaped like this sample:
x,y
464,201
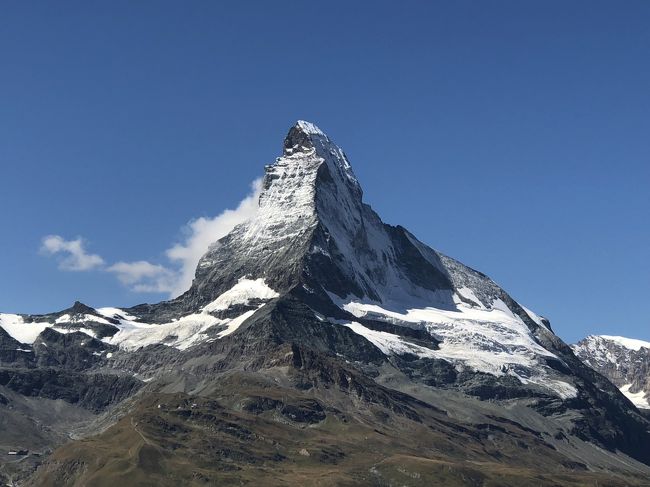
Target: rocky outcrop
x,y
625,362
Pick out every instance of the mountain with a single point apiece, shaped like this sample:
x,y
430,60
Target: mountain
x,y
317,344
624,361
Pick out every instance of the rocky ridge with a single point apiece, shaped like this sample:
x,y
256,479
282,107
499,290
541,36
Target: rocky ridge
x,y
624,361
315,312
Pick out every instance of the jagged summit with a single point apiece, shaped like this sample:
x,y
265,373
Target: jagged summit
x,y
314,239
300,136
323,312
309,192
313,231
305,139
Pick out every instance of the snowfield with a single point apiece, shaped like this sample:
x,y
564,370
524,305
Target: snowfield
x,y
494,341
181,333
16,327
639,399
241,293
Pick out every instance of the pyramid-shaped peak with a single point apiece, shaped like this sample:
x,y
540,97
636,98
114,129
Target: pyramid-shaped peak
x,y
80,308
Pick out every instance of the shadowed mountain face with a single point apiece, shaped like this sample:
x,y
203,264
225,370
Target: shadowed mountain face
x,y
317,344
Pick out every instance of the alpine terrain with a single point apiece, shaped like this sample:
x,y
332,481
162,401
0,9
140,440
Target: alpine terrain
x,y
624,361
317,345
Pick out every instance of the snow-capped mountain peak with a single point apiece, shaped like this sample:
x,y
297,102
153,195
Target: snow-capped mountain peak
x,y
313,236
317,293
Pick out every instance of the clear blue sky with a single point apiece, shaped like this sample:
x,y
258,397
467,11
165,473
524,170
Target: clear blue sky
x,y
514,136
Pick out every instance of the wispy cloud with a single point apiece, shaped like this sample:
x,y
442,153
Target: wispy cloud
x,y
143,276
200,233
71,254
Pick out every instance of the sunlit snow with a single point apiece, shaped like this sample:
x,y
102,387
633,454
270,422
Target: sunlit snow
x,y
180,333
639,399
16,327
242,293
494,341
629,343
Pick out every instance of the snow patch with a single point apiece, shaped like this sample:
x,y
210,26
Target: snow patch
x,y
637,398
180,334
629,343
115,313
494,341
468,294
132,334
235,323
16,327
65,331
66,318
189,330
242,293
389,343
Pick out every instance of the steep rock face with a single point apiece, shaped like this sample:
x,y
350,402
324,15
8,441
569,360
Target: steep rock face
x,y
313,229
316,295
12,351
313,237
311,210
624,361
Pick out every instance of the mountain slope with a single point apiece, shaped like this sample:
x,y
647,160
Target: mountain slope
x,y
316,319
624,361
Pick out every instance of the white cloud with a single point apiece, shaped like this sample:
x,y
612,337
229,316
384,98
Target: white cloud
x,y
72,254
142,276
204,231
146,277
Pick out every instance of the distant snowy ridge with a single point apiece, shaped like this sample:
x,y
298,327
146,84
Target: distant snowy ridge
x,y
624,361
314,239
311,204
132,333
630,343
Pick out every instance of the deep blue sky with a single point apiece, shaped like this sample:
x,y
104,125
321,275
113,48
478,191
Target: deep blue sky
x,y
514,136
